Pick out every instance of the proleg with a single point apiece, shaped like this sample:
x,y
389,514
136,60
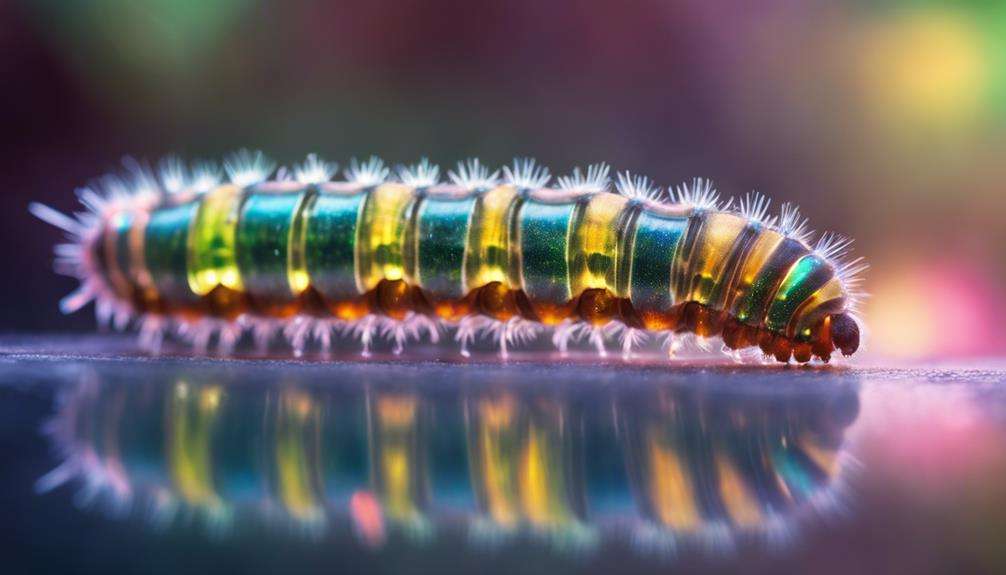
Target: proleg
x,y
500,255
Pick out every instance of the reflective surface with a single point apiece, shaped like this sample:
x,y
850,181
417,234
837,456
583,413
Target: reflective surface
x,y
180,463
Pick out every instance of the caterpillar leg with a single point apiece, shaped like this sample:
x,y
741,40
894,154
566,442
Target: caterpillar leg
x,y
363,329
515,330
263,329
412,326
322,330
297,332
152,330
111,313
570,331
228,334
468,330
628,337
676,342
700,342
564,333
672,343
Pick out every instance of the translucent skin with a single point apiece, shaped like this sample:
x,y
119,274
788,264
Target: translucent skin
x,y
346,250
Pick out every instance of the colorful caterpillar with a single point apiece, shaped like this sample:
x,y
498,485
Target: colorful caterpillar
x,y
489,254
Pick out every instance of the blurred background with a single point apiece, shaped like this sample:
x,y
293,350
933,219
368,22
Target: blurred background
x,y
885,121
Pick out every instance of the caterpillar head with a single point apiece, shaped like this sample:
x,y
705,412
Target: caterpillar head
x,y
844,333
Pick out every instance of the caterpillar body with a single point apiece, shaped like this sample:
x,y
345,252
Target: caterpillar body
x,y
486,254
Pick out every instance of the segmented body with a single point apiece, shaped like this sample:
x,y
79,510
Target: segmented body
x,y
398,258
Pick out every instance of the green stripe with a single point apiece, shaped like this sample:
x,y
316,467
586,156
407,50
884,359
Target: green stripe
x,y
330,243
654,247
800,283
544,244
166,251
441,236
263,242
751,308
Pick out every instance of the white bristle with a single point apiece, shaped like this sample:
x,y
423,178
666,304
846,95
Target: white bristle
x,y
173,174
526,173
595,179
369,173
700,195
473,174
314,170
142,185
206,175
792,224
754,206
420,175
832,246
637,187
835,249
56,218
246,167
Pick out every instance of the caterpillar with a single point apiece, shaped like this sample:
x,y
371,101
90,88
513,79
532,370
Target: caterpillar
x,y
680,465
488,254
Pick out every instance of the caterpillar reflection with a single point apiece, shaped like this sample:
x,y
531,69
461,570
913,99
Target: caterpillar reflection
x,y
497,255
672,466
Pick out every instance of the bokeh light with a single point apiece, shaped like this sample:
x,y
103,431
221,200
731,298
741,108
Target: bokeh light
x,y
935,309
930,67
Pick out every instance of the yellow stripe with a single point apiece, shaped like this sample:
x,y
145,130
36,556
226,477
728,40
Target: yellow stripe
x,y
296,419
816,307
671,491
193,413
381,235
712,250
740,503
594,250
296,271
212,250
542,487
487,251
825,458
761,251
396,421
495,445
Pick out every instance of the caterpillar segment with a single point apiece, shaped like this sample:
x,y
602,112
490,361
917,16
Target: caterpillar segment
x,y
486,255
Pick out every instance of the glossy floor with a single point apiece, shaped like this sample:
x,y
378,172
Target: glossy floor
x,y
123,463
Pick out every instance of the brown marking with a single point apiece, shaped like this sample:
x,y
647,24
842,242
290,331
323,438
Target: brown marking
x,y
226,303
496,301
597,306
394,298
